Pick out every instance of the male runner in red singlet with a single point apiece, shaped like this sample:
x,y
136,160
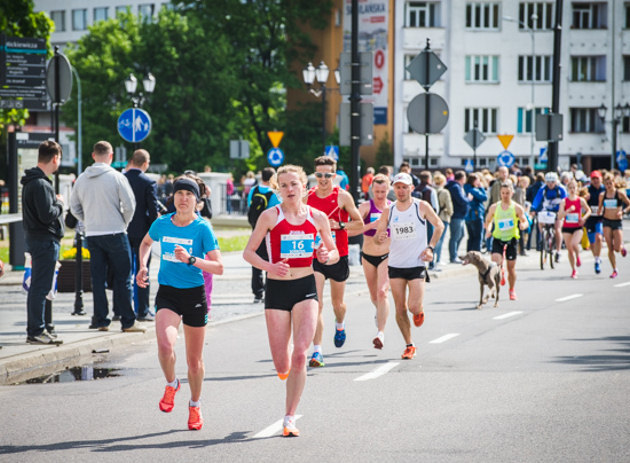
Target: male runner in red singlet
x,y
339,206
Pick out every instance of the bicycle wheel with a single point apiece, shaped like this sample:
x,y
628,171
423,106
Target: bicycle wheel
x,y
543,245
551,246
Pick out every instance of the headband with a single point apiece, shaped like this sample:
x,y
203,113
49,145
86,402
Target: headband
x,y
188,185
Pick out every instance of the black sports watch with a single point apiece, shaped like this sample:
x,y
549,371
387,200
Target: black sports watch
x,y
192,260
431,248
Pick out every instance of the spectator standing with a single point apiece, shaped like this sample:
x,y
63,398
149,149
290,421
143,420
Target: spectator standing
x,y
366,182
460,209
502,175
146,211
104,201
446,211
476,212
344,183
520,198
406,168
42,212
260,198
229,191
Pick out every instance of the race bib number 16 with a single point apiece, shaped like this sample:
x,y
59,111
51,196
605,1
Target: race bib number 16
x,y
296,246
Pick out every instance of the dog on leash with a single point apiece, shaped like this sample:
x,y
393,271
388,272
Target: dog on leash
x,y
489,275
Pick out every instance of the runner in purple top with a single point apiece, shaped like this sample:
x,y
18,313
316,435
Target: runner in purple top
x,y
375,254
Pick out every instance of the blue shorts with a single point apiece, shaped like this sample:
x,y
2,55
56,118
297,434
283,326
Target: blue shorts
x,y
594,225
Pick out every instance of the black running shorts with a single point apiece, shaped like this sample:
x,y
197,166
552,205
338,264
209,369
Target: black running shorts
x,y
284,294
190,303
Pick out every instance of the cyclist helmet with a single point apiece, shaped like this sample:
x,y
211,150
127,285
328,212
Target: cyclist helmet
x,y
551,177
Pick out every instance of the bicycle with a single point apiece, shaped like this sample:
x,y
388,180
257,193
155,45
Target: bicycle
x,y
547,219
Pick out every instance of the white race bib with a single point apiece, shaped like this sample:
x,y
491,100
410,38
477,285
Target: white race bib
x,y
610,203
404,231
374,216
168,247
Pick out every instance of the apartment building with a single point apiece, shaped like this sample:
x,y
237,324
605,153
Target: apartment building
x,y
499,56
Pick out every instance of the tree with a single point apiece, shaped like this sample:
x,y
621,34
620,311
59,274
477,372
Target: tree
x,y
384,154
191,116
17,19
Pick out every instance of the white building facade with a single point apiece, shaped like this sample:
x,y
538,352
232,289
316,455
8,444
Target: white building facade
x,y
499,56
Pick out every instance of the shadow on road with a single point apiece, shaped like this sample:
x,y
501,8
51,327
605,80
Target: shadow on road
x,y
615,359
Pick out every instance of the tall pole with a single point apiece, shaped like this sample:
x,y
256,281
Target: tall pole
x,y
79,138
57,103
355,102
555,91
615,124
323,119
533,121
427,106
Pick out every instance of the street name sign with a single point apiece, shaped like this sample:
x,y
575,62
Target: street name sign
x,y
22,73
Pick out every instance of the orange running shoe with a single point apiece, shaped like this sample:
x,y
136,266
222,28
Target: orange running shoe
x,y
418,319
410,352
289,429
168,401
195,421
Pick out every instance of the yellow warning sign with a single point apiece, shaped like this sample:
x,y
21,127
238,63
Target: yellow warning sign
x,y
505,140
275,138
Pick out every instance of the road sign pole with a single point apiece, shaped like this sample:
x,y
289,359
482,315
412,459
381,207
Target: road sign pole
x,y
474,137
355,101
57,103
552,151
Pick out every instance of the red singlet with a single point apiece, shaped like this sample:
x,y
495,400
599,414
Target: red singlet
x,y
571,220
292,242
330,206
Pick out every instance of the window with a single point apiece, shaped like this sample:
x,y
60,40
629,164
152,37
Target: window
x,y
625,124
122,9
626,67
586,120
422,14
482,68
525,123
79,20
544,15
59,18
146,11
588,68
534,68
626,23
589,15
100,14
482,15
484,118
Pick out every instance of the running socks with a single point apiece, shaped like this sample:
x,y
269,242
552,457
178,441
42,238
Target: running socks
x,y
192,403
341,326
173,384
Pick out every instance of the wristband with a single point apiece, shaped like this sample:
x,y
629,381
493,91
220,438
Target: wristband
x,y
342,225
431,248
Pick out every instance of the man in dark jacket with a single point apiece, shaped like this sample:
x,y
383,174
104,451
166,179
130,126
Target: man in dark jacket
x,y
460,209
145,192
43,229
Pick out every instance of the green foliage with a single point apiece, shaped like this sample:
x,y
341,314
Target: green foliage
x,y
222,69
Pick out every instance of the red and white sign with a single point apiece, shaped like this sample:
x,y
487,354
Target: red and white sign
x,y
377,85
379,59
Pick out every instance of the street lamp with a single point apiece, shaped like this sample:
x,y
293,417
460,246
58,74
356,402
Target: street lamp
x,y
310,74
529,29
131,84
619,113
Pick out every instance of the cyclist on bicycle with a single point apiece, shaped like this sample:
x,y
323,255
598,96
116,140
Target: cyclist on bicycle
x,y
548,199
507,217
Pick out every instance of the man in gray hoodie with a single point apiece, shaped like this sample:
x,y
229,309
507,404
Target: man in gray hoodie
x,y
103,199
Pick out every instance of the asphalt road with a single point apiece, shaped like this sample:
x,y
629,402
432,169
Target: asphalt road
x,y
541,379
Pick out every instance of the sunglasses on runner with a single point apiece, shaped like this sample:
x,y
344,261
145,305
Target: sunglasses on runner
x,y
323,175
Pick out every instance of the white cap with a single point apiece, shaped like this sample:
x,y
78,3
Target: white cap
x,y
403,178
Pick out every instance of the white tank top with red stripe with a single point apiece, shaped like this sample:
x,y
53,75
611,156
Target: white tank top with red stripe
x,y
293,242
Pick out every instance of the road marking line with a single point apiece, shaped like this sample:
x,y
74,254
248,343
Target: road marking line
x,y
444,338
380,371
568,298
621,285
273,429
507,315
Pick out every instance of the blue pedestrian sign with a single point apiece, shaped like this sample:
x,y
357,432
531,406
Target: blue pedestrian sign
x,y
622,160
134,125
468,166
505,159
542,157
275,156
332,151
